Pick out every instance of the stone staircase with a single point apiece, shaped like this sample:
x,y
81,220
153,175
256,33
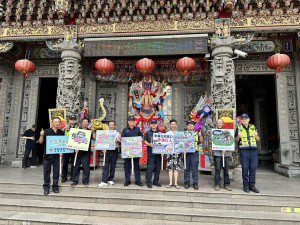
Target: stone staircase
x,y
24,203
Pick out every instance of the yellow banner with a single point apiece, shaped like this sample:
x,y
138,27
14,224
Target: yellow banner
x,y
79,139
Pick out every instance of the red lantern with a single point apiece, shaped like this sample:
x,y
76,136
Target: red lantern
x,y
145,66
25,67
278,61
185,65
104,66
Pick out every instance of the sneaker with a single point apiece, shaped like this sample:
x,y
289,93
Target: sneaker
x,y
33,167
111,182
102,184
253,189
73,184
228,188
217,187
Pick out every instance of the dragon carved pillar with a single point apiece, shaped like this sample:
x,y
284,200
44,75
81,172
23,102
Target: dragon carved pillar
x,y
69,81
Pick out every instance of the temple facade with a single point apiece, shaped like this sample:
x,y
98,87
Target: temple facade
x,y
64,39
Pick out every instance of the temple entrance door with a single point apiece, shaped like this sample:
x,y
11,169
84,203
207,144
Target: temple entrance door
x,y
256,95
46,100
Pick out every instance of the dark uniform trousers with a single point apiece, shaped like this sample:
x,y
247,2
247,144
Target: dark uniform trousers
x,y
26,156
137,174
47,162
83,160
108,170
192,162
153,163
65,161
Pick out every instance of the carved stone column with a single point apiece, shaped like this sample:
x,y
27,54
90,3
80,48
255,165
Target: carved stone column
x,y
223,79
69,81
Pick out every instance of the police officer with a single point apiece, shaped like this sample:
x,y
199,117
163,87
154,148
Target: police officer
x,y
83,158
132,131
246,135
192,160
51,159
154,160
68,156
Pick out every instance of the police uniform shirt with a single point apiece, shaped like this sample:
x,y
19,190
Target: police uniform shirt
x,y
50,132
149,138
30,144
134,132
247,130
67,131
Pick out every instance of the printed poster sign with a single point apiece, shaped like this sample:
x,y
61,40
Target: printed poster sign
x,y
184,141
163,143
228,116
223,139
59,113
57,145
105,139
131,147
79,139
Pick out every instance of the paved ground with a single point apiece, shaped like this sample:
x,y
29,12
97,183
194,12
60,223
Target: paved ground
x,y
268,182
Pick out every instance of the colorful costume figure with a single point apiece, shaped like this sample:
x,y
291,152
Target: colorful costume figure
x,y
146,98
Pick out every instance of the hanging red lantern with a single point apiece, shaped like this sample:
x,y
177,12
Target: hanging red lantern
x,y
104,66
185,65
278,61
145,66
25,67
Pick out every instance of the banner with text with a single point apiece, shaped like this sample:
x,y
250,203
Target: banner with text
x,y
105,139
184,141
57,145
163,143
79,139
131,147
223,139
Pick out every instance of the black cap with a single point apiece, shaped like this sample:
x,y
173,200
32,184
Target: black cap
x,y
245,115
153,121
131,118
190,121
73,117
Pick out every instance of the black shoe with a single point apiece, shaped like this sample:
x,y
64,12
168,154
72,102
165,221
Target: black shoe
x,y
56,191
127,183
186,185
73,184
253,188
149,185
195,185
157,184
63,179
246,188
24,167
139,183
46,192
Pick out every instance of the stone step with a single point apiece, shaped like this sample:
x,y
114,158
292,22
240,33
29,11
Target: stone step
x,y
133,189
149,212
74,195
31,218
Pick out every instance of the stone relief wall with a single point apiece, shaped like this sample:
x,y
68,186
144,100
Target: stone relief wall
x,y
6,76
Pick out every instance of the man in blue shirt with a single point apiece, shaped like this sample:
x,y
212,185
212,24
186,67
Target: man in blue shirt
x,y
154,160
132,131
31,138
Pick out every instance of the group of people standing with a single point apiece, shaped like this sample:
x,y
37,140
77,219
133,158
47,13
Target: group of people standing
x,y
246,136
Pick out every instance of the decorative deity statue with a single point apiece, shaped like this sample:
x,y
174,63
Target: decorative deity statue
x,y
200,15
237,13
162,15
207,4
106,10
143,8
181,7
278,11
175,16
130,8
168,7
213,14
187,15
194,6
291,11
150,16
137,17
264,11
155,8
250,12
146,98
126,17
259,3
136,2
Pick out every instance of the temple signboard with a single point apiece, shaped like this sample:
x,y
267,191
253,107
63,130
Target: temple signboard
x,y
147,45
